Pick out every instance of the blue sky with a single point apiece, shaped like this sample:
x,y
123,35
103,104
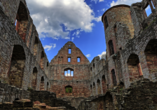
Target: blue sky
x,y
79,21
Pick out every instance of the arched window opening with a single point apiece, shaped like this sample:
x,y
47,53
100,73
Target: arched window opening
x,y
104,84
47,86
68,89
34,78
42,83
35,49
47,64
99,87
69,72
151,56
111,47
109,102
134,67
91,90
42,60
17,66
94,89
114,77
21,21
106,22
69,51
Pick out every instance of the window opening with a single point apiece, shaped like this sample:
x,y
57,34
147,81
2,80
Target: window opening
x,y
106,22
152,4
68,89
114,77
148,11
69,51
69,72
93,65
78,59
35,49
69,59
111,48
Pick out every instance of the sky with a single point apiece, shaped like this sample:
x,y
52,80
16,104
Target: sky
x,y
79,21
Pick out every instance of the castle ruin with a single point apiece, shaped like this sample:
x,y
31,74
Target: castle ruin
x,y
125,80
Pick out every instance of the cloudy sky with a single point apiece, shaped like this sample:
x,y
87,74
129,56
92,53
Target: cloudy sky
x,y
79,21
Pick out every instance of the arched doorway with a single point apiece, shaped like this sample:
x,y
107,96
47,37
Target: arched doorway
x,y
21,21
34,78
42,60
42,83
17,66
134,67
35,47
151,55
99,87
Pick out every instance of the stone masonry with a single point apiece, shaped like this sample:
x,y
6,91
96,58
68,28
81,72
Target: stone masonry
x,y
125,80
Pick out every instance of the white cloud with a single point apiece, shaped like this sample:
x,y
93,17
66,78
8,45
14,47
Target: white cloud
x,y
72,38
49,47
88,55
102,55
98,19
127,2
77,33
101,0
101,10
97,1
52,16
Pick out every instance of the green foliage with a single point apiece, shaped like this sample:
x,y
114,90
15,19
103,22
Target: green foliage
x,y
68,89
29,88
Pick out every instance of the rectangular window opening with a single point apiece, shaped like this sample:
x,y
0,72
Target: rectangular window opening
x,y
72,73
78,59
69,51
106,22
68,74
65,73
69,59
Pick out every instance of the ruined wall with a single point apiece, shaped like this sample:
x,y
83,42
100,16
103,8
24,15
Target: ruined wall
x,y
139,16
119,30
16,58
73,73
145,57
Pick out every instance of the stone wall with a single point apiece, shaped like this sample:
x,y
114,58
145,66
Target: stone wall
x,y
73,73
18,44
9,93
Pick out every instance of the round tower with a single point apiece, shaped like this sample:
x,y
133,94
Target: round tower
x,y
118,28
